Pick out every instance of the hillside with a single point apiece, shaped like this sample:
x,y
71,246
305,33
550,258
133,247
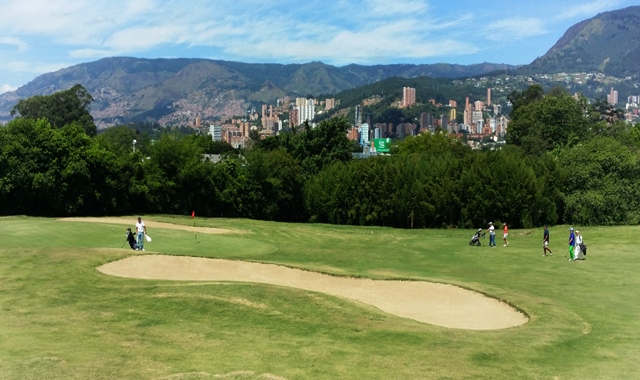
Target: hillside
x,y
174,91
608,43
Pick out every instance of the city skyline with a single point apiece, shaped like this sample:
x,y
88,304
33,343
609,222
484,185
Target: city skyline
x,y
40,36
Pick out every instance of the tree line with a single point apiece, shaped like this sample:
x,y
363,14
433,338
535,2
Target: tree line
x,y
566,161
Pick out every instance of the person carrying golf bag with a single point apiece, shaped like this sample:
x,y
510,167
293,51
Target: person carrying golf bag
x,y
131,238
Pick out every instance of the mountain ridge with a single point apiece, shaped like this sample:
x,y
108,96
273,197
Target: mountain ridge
x,y
608,43
173,90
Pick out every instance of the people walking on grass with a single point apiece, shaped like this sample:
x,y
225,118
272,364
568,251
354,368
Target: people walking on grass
x,y
545,242
572,244
578,249
505,233
141,229
492,235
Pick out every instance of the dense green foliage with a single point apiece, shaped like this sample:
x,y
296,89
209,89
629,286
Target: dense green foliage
x,y
432,182
60,109
566,162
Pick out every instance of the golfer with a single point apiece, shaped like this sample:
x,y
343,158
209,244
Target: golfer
x,y
545,242
132,240
578,249
142,230
492,235
505,233
572,244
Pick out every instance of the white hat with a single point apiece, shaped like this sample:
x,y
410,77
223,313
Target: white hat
x,y
490,223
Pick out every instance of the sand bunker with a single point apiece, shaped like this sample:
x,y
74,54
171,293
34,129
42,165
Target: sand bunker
x,y
131,221
433,303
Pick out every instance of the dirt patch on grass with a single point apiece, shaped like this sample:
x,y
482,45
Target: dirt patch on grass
x,y
433,303
131,221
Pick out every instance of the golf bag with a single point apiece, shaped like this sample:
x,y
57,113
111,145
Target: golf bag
x,y
583,248
131,239
475,239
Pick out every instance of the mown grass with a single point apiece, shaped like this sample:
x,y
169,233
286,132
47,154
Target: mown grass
x,y
60,318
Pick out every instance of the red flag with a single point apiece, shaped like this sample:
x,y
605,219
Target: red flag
x,y
193,214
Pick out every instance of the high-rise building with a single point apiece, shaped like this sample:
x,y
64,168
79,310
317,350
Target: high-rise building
x,y
408,96
488,96
330,103
493,124
444,122
352,134
358,117
364,134
612,98
423,121
475,116
294,119
307,111
468,110
216,132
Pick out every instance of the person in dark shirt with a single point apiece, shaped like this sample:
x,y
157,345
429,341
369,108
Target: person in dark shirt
x,y
572,244
545,242
131,239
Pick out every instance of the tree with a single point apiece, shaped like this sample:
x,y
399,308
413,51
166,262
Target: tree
x,y
279,183
601,183
555,121
432,144
518,99
56,171
60,109
120,140
316,147
607,112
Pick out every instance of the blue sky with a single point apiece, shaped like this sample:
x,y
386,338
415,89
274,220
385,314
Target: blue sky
x,y
40,36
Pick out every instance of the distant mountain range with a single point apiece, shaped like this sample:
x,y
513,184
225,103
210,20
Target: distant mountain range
x,y
174,91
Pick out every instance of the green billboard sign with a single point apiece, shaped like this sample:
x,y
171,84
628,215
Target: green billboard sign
x,y
382,145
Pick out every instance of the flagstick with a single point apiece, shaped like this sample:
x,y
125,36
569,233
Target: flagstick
x,y
195,234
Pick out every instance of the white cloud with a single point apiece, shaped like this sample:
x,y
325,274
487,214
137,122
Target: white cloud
x,y
337,32
394,8
12,41
512,29
6,88
587,10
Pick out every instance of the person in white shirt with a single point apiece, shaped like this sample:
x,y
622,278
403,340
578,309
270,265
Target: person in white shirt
x,y
492,235
578,251
142,230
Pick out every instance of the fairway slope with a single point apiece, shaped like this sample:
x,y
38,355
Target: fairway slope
x,y
433,303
